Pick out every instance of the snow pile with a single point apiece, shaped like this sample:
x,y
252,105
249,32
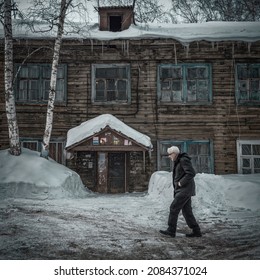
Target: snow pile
x,y
30,176
95,125
215,193
242,191
160,186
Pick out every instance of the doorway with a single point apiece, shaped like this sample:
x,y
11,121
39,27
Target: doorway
x,y
116,172
112,172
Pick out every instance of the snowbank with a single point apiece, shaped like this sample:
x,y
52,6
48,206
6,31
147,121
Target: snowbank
x,y
30,176
214,192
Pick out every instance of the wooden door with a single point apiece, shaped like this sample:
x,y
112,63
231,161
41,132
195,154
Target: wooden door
x,y
102,173
116,173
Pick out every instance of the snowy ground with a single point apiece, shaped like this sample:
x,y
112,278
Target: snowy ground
x,y
43,217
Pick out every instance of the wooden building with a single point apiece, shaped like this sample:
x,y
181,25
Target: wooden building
x,y
192,85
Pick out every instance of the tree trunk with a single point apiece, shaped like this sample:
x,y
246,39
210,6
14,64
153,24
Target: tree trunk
x,y
52,91
15,147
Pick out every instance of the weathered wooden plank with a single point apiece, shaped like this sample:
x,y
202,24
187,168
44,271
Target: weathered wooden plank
x,y
222,121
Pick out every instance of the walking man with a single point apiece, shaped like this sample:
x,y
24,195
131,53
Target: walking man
x,y
184,188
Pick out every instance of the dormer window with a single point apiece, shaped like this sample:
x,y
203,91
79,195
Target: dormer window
x,y
115,19
115,23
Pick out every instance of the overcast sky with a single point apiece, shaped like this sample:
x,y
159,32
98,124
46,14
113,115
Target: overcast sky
x,y
93,15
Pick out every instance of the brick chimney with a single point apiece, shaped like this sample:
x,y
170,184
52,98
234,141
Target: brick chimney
x,y
115,19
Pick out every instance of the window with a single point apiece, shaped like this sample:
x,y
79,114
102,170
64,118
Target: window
x,y
248,84
201,153
185,83
115,23
33,83
248,153
111,83
56,148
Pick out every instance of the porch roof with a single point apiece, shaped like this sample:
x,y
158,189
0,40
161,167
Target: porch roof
x,y
80,133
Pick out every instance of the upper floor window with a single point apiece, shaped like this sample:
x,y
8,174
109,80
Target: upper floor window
x,y
200,151
33,83
248,84
111,83
185,83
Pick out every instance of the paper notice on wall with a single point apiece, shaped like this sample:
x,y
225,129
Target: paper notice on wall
x,y
95,140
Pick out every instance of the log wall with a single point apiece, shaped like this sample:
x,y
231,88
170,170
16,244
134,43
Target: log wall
x,y
223,121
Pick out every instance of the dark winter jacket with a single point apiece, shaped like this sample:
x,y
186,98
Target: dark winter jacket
x,y
184,173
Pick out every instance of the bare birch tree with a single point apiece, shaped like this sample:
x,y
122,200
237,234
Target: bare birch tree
x,y
43,16
52,92
15,147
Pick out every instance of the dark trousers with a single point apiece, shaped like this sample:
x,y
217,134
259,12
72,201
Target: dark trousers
x,y
181,202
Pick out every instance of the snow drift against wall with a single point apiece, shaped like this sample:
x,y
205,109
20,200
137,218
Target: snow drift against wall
x,y
215,193
30,176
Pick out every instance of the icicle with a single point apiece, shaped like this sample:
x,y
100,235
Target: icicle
x,y
92,45
233,50
124,47
175,54
127,48
214,45
249,47
102,48
187,47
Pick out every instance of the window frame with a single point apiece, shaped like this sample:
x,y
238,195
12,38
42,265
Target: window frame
x,y
183,146
54,141
113,24
127,79
239,100
251,158
41,80
184,83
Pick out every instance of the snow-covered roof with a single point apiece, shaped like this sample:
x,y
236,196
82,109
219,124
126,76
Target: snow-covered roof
x,y
108,7
187,33
184,33
89,128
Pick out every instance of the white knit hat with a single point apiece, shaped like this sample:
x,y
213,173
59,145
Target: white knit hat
x,y
173,149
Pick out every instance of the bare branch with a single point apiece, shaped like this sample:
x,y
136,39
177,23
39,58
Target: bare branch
x,y
212,10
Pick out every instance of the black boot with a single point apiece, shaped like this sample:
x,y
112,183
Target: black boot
x,y
195,233
167,232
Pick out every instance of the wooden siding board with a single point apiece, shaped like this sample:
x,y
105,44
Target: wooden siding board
x,y
222,121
